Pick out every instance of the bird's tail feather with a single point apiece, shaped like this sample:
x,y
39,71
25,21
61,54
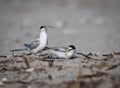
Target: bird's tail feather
x,y
18,50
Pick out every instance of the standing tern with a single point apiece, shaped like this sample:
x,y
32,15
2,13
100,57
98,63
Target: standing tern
x,y
41,42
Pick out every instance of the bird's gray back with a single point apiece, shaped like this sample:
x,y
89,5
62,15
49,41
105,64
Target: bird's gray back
x,y
60,48
33,45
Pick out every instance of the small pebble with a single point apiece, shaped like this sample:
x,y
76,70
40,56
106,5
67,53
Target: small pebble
x,y
4,79
1,84
30,70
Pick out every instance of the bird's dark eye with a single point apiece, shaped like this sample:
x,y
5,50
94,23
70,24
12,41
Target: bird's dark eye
x,y
41,27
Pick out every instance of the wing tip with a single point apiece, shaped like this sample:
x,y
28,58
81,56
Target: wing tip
x,y
26,45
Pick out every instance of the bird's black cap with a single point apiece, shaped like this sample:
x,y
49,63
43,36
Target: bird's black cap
x,y
72,46
43,26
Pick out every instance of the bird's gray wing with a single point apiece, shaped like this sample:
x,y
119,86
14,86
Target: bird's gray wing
x,y
34,44
62,49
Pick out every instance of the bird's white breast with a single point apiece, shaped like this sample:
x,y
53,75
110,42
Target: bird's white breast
x,y
70,54
59,54
43,41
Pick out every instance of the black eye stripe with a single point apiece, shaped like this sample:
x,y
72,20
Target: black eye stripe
x,y
41,27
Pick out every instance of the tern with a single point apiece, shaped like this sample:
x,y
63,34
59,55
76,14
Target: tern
x,y
41,42
63,52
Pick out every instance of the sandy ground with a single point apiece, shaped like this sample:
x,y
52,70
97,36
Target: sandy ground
x,y
28,71
90,25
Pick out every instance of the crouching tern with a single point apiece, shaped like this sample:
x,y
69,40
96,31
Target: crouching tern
x,y
41,42
63,52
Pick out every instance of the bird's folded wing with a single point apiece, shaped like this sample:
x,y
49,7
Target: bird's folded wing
x,y
62,49
34,44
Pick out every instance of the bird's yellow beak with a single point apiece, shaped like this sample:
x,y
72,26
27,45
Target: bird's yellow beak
x,y
68,50
45,26
48,26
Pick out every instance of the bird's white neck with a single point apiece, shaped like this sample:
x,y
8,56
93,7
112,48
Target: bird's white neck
x,y
71,53
43,36
42,30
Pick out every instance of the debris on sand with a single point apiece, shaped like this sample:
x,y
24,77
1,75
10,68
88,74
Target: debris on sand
x,y
85,72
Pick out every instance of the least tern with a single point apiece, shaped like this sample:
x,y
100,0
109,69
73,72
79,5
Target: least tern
x,y
41,42
63,52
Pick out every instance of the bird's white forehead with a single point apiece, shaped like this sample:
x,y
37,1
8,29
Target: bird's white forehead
x,y
69,48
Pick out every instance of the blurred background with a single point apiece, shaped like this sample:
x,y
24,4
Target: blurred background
x,y
90,25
